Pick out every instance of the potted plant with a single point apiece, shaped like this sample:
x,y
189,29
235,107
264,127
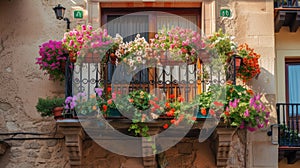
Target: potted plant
x,y
100,47
249,113
204,102
50,107
76,39
250,67
52,59
177,44
135,53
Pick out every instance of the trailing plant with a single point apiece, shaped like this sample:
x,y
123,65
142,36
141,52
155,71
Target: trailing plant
x,y
52,59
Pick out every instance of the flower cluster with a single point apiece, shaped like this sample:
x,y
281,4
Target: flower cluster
x,y
178,110
134,53
179,43
52,59
75,39
250,66
250,114
222,44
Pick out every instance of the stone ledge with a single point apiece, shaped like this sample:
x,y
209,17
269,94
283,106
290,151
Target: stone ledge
x,y
74,136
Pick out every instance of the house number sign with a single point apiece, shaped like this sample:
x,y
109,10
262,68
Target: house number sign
x,y
225,13
78,14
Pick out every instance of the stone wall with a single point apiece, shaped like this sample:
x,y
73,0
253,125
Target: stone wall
x,y
188,153
252,22
26,24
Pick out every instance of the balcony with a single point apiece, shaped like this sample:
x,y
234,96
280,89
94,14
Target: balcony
x,y
289,129
286,13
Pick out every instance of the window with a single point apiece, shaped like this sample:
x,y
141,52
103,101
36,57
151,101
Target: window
x,y
147,21
292,80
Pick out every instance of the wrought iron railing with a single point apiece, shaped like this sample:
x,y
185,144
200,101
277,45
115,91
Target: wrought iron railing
x,y
289,125
286,4
186,80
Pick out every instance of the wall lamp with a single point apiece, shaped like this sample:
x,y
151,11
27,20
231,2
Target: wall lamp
x,y
60,12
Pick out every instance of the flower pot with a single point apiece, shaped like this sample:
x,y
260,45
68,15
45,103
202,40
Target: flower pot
x,y
167,60
200,114
57,113
114,113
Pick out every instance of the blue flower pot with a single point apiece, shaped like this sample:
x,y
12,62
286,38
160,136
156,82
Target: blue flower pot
x,y
199,114
114,113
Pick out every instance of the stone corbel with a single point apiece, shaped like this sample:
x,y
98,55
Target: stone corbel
x,y
223,142
74,136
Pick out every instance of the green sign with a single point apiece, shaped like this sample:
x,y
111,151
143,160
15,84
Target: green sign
x,y
78,14
225,13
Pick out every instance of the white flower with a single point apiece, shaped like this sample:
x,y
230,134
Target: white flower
x,y
154,116
139,59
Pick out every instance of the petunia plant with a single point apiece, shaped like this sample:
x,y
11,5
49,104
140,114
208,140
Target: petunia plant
x,y
52,59
251,115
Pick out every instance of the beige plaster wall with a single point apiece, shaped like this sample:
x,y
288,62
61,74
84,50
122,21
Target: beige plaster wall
x,y
26,24
287,45
252,22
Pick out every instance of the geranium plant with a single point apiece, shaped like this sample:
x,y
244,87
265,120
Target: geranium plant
x,y
101,47
178,43
75,39
250,67
52,59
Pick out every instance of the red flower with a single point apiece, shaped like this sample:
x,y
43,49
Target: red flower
x,y
173,121
130,100
183,50
218,103
180,99
172,96
109,89
104,108
203,111
227,113
109,101
212,112
165,126
167,105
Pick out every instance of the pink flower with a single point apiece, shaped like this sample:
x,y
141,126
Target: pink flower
x,y
251,129
246,113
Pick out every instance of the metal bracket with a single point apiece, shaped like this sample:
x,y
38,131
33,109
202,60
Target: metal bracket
x,y
274,133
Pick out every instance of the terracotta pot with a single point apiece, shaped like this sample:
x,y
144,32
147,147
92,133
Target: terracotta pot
x,y
167,61
57,113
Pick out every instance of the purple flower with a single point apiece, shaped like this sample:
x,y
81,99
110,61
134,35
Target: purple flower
x,y
252,101
246,113
99,91
257,97
260,125
267,114
242,126
266,121
251,129
234,104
